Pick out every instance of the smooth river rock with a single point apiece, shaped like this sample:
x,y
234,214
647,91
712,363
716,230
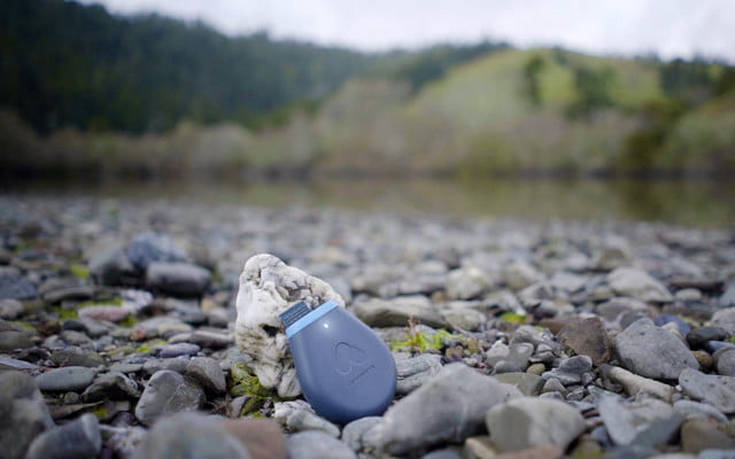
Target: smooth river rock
x,y
653,352
531,422
450,407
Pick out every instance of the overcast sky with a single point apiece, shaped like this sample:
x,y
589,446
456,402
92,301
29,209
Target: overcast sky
x,y
670,28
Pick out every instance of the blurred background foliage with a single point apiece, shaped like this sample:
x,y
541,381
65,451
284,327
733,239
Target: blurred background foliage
x,y
86,92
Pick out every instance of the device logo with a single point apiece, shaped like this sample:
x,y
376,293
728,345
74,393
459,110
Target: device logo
x,y
351,361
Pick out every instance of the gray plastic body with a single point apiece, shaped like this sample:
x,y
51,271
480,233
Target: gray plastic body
x,y
345,370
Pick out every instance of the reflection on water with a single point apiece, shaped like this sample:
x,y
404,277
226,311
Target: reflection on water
x,y
692,202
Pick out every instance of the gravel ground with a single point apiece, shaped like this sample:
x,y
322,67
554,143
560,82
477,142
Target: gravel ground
x,y
540,339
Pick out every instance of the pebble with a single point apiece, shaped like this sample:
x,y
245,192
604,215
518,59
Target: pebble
x,y
653,352
178,349
412,372
168,392
208,373
147,248
11,340
688,294
698,435
110,266
517,358
571,370
726,362
724,318
719,391
66,379
262,437
24,413
527,383
75,356
638,284
727,300
635,384
14,286
190,435
8,363
466,283
314,444
10,309
113,385
353,432
625,421
479,447
698,337
398,311
78,439
529,422
297,415
178,279
587,337
694,410
449,407
104,312
211,339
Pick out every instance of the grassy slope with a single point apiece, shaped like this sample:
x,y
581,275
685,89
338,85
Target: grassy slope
x,y
479,117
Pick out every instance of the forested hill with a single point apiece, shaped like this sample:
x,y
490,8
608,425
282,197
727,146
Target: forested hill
x,y
66,64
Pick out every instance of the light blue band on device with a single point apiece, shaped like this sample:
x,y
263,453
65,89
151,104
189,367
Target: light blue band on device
x,y
314,315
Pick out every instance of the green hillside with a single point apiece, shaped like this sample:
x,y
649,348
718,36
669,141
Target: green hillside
x,y
522,111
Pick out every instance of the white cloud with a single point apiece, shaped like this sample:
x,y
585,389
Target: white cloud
x,y
670,28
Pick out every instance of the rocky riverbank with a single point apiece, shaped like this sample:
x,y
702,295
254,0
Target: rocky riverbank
x,y
117,336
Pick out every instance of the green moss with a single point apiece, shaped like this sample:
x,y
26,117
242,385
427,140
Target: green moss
x,y
246,383
731,339
79,270
129,321
147,347
24,326
513,318
424,342
65,313
101,412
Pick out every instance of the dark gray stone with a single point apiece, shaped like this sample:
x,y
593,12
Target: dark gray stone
x,y
75,356
412,372
314,444
112,267
571,370
178,279
113,385
718,391
352,433
178,349
14,286
13,339
151,247
531,422
653,352
726,362
168,392
79,439
208,373
23,413
698,337
190,435
448,408
66,379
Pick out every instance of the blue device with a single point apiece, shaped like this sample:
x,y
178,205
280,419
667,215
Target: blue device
x,y
345,370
